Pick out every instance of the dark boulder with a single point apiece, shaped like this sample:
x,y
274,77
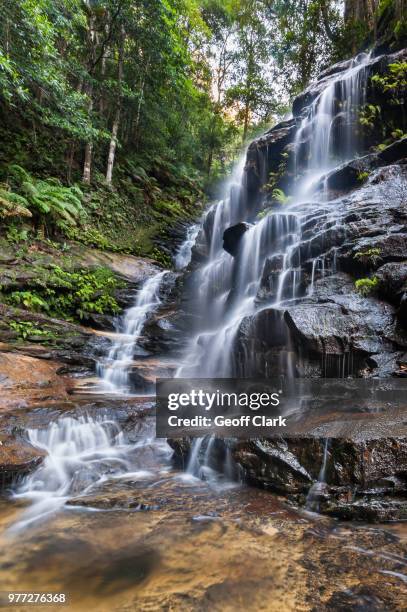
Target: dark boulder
x,y
321,328
232,237
272,464
393,280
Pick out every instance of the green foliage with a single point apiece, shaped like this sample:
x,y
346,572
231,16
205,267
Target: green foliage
x,y
366,286
369,114
280,197
90,236
29,300
369,256
16,235
302,42
70,295
274,177
12,205
161,257
363,176
46,199
394,83
31,66
26,329
264,213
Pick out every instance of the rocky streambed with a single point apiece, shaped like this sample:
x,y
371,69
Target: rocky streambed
x,y
156,538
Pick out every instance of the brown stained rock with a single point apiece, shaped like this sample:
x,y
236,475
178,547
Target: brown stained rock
x,y
27,380
17,458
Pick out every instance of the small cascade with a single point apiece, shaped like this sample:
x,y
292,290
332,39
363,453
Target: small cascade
x,y
114,371
183,256
327,135
203,462
81,452
318,487
193,467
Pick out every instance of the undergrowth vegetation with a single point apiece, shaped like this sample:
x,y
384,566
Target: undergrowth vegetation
x,y
71,295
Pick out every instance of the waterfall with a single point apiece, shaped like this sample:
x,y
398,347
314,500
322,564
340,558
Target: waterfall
x,y
275,264
327,134
183,255
80,452
83,453
312,502
114,371
231,290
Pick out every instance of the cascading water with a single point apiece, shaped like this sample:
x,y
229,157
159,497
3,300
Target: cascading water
x,y
183,256
231,290
317,488
84,452
328,133
80,451
227,291
114,372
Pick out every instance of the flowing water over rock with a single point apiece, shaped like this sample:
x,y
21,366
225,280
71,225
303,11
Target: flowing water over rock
x,y
183,256
114,371
275,255
271,299
80,452
136,534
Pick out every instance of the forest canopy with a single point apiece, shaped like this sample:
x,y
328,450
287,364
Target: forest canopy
x,y
158,93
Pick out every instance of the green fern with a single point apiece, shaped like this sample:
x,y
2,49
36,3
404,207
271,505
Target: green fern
x,y
12,204
280,197
51,200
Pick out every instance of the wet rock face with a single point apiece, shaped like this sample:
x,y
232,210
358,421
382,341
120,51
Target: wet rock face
x,y
393,280
337,320
350,175
262,345
362,480
359,234
264,156
272,464
320,324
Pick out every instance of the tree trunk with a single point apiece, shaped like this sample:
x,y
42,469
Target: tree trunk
x,y
116,121
210,159
138,115
92,42
106,52
112,146
87,165
361,10
325,19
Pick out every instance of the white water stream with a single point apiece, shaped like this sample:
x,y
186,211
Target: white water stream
x,y
114,370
